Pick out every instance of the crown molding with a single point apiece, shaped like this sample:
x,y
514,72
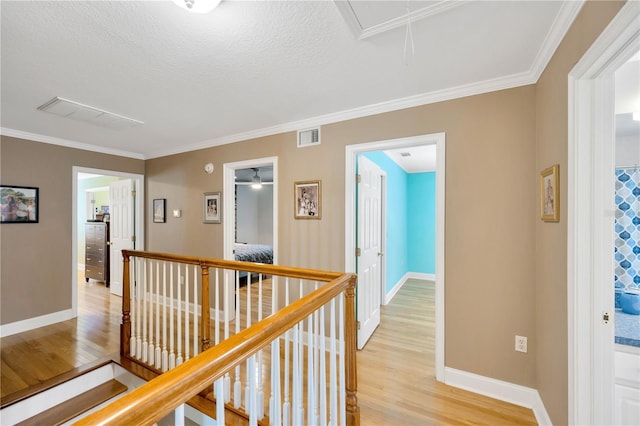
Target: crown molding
x,y
67,143
561,24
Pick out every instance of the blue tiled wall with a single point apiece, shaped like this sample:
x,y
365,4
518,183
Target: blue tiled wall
x,y
627,229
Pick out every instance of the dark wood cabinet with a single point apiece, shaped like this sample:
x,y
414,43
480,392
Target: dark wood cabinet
x,y
96,257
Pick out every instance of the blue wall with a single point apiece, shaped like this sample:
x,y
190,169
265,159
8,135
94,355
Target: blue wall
x,y
410,220
421,220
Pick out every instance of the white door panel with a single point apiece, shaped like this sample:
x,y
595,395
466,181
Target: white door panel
x,y
369,243
121,228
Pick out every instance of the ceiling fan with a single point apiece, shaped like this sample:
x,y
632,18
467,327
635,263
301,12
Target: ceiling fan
x,y
256,181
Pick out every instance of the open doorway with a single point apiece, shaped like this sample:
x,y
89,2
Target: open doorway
x,y
352,216
96,185
594,391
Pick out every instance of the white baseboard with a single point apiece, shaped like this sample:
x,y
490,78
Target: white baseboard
x,y
36,322
504,391
420,276
400,283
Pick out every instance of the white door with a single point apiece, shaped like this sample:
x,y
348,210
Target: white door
x,y
121,228
370,245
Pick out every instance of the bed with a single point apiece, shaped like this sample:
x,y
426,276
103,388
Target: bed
x,y
260,253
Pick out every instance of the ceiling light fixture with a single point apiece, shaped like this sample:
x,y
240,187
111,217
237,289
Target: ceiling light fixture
x,y
198,6
256,181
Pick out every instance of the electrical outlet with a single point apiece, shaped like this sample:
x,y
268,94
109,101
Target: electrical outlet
x,y
521,344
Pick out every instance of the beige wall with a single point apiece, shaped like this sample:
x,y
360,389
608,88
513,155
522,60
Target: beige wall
x,y
36,265
490,214
551,238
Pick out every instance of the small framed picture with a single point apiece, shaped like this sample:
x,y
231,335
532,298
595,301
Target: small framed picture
x,y
18,204
159,210
211,207
550,194
308,196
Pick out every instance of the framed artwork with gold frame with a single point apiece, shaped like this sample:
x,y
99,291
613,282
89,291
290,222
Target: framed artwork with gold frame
x,y
308,199
550,194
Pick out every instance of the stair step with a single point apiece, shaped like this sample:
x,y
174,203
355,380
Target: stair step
x,y
77,405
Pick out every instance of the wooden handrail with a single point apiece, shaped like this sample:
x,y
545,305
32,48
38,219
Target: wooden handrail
x,y
263,268
154,400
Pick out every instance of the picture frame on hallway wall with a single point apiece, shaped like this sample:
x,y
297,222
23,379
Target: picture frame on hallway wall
x,y
159,210
211,207
550,194
19,204
308,199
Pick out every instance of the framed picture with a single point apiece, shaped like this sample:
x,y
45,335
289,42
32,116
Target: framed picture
x,y
550,194
308,196
211,207
159,210
18,204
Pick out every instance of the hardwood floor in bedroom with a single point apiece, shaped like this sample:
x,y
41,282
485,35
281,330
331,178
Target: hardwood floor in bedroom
x,y
396,373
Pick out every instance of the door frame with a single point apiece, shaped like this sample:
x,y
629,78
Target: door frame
x,y
352,152
229,213
138,223
590,175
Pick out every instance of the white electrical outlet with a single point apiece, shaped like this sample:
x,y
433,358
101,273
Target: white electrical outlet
x,y
521,344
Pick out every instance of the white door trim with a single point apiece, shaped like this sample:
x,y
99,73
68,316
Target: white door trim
x,y
229,213
352,152
590,219
139,220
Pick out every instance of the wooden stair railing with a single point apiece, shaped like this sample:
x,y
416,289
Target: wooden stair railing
x,y
160,396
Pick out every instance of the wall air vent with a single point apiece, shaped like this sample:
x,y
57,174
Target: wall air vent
x,y
77,111
308,137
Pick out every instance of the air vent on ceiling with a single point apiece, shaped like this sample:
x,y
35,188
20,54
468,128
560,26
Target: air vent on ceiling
x,y
77,111
405,154
308,137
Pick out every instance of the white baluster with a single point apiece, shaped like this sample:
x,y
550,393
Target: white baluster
x,y
145,351
322,380
165,353
178,415
186,312
260,407
247,388
220,397
296,391
150,345
251,397
179,358
227,377
158,356
286,408
172,352
196,344
343,397
310,372
333,372
275,414
139,308
132,305
237,387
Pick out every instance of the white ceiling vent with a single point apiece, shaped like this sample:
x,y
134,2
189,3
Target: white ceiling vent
x,y
308,137
77,111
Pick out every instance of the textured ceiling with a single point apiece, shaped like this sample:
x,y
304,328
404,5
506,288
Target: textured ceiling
x,y
250,68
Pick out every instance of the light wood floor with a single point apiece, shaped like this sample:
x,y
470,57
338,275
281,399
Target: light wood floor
x,y
396,374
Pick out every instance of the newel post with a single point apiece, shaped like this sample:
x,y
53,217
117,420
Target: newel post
x,y
205,331
352,409
125,327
